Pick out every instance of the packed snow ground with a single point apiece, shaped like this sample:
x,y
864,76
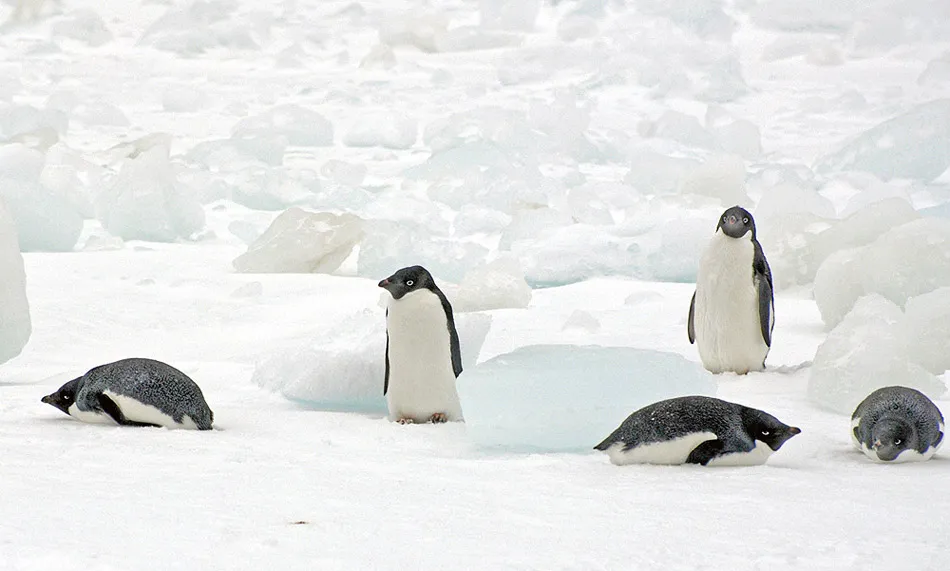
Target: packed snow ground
x,y
586,144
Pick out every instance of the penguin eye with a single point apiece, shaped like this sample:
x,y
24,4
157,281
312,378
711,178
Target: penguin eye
x,y
745,220
765,433
410,283
898,442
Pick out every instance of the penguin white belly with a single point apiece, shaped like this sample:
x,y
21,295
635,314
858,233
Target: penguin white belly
x,y
903,457
673,451
421,377
755,457
89,416
138,411
855,422
726,314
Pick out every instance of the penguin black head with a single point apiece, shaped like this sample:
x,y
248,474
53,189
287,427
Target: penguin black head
x,y
735,222
890,437
64,397
765,427
408,280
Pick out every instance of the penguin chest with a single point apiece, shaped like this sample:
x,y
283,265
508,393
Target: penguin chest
x,y
90,416
138,411
755,457
421,378
728,330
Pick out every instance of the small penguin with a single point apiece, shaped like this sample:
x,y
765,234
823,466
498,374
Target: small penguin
x,y
134,392
897,424
422,350
732,313
696,430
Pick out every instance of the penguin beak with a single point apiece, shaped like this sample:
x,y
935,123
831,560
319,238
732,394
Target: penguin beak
x,y
384,283
794,430
46,399
876,445
732,219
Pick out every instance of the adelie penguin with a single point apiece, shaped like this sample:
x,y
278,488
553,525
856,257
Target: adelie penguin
x,y
897,424
422,350
134,392
732,313
697,430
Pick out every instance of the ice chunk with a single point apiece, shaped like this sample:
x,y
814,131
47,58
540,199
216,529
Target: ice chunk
x,y
475,219
183,99
681,244
575,253
226,154
388,131
721,177
906,261
344,173
864,352
20,119
785,199
196,26
302,242
299,125
788,242
499,284
912,145
566,398
15,325
705,18
380,56
937,71
576,27
684,129
654,173
83,25
100,113
507,15
472,38
807,15
344,367
734,135
580,319
413,29
927,325
146,202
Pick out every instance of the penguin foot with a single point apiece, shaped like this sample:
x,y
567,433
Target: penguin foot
x,y
438,418
405,421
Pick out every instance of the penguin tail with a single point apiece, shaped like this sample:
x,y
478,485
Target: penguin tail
x,y
605,444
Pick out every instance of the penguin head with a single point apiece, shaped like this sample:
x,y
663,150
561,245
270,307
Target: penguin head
x,y
736,222
765,427
890,437
408,280
64,397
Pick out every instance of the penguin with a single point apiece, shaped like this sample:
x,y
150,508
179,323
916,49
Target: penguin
x,y
134,392
422,350
732,313
696,430
897,424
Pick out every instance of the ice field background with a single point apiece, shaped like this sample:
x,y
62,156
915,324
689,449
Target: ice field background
x,y
220,184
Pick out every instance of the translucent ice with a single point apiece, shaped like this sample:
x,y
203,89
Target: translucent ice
x,y
301,126
575,253
146,202
344,368
302,242
499,284
565,397
721,177
388,131
388,246
705,18
15,325
927,324
912,145
906,261
864,352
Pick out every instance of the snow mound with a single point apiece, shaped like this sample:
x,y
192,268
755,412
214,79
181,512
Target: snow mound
x,y
15,324
499,284
302,242
413,29
937,71
183,99
299,125
84,26
387,131
146,202
927,325
906,261
24,119
507,15
864,352
565,397
913,145
45,221
197,26
343,368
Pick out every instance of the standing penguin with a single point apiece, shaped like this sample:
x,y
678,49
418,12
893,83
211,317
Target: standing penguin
x,y
732,313
696,430
897,424
134,392
422,350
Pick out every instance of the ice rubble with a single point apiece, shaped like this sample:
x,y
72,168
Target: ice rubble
x,y
905,261
575,253
183,99
146,202
867,350
83,25
912,145
564,397
302,242
937,71
344,368
196,26
498,284
45,221
387,130
15,325
506,15
299,125
927,330
705,18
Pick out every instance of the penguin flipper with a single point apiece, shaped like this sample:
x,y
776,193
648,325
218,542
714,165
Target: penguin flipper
x,y
705,452
108,405
766,308
690,328
386,380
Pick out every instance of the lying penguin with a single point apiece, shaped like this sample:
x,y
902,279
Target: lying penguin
x,y
134,392
697,430
897,424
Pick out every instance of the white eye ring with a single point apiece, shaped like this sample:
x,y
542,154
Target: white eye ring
x,y
897,442
410,283
765,433
745,220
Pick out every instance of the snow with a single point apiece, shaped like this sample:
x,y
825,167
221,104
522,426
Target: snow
x,y
565,397
15,325
567,163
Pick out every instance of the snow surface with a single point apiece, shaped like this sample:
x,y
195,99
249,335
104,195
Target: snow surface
x,y
589,145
